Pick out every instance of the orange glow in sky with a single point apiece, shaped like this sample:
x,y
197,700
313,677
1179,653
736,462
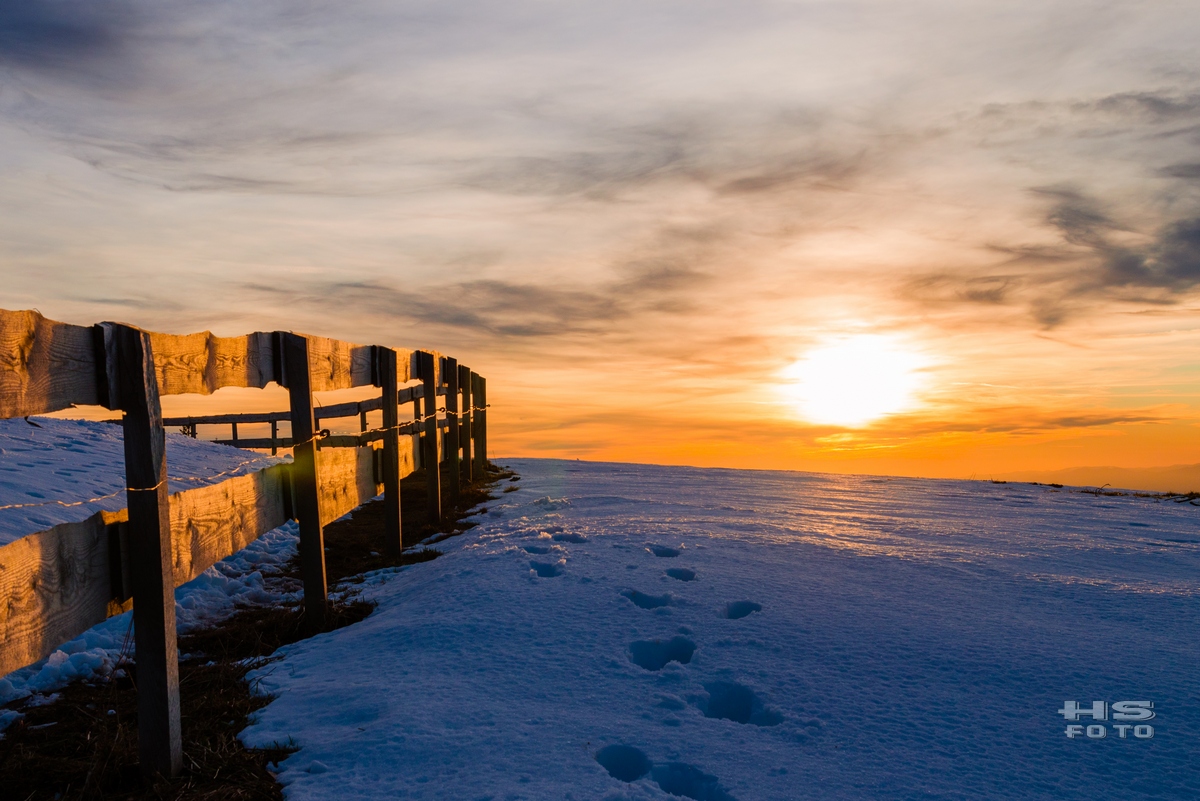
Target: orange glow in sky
x,y
941,239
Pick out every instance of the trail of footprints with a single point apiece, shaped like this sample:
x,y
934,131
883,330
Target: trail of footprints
x,y
723,700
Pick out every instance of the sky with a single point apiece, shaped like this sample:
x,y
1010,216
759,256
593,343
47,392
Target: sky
x,y
926,238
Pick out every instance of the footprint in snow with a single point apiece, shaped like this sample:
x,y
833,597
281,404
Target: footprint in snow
x,y
728,700
645,601
679,778
628,764
663,551
654,655
623,762
740,609
569,538
546,569
681,573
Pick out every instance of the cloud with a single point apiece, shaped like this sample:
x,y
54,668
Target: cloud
x,y
1101,260
517,310
70,39
1188,172
1170,260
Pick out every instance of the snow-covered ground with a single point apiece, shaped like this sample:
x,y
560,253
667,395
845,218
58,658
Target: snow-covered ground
x,y
628,632
631,632
50,460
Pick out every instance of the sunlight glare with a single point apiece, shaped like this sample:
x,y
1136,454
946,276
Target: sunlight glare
x,y
855,380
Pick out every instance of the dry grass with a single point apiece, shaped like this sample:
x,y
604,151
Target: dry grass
x,y
76,748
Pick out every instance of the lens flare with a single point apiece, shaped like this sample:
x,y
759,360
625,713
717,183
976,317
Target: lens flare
x,y
853,381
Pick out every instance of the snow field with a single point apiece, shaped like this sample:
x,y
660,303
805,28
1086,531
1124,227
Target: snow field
x,y
640,632
74,460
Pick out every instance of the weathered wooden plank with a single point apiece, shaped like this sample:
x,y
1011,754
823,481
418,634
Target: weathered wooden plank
x,y
152,576
347,480
53,585
44,365
337,365
210,523
226,419
202,363
57,583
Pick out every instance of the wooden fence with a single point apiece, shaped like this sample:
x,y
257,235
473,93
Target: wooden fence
x,y
57,583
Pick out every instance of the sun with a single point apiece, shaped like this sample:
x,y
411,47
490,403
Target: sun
x,y
855,380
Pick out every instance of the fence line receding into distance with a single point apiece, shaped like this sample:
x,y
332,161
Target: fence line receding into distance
x,y
57,583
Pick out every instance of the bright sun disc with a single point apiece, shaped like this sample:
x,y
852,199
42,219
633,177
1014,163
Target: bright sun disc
x,y
852,381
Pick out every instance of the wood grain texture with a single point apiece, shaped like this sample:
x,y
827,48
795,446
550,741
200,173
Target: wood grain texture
x,y
348,477
202,363
53,585
334,364
44,365
151,572
210,523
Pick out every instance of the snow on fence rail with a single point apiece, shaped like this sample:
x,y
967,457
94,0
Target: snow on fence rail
x,y
57,583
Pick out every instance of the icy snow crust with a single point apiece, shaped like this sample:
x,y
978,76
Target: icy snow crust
x,y
625,632
74,460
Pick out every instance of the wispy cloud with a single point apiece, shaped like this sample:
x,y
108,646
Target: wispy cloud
x,y
704,189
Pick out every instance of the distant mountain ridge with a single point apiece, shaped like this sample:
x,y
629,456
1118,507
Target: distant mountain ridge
x,y
1175,478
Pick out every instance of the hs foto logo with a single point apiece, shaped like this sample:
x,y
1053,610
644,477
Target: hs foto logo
x,y
1122,711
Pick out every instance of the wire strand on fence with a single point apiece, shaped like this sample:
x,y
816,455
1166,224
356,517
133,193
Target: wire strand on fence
x,y
97,499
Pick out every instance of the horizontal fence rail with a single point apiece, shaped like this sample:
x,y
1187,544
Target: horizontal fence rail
x,y
57,583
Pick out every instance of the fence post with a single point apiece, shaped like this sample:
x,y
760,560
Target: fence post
x,y
450,371
464,437
130,384
419,444
427,365
306,483
385,371
480,427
